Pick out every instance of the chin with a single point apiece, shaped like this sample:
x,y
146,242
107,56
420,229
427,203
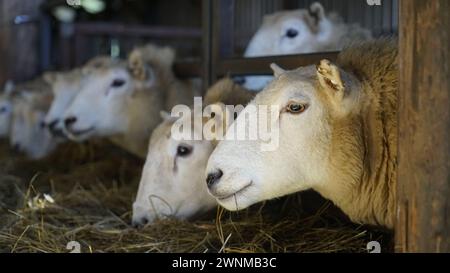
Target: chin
x,y
80,137
236,202
77,138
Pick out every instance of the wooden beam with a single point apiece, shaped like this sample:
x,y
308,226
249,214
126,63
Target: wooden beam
x,y
116,29
251,66
261,65
188,69
423,190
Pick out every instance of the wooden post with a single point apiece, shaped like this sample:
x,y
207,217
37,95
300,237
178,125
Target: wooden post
x,y
19,40
423,191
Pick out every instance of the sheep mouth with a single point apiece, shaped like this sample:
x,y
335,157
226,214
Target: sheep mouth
x,y
59,133
236,193
78,133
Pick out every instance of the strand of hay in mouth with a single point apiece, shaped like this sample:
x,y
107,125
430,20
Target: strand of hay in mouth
x,y
98,218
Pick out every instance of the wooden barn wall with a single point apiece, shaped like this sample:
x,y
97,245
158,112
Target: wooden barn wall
x,y
249,13
186,14
19,44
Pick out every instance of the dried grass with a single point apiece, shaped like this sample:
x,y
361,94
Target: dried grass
x,y
89,190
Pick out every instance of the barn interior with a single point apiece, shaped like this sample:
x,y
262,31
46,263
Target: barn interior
x,y
83,192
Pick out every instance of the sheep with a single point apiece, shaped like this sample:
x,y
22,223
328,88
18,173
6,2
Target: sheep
x,y
28,134
172,181
123,102
337,135
6,109
298,32
65,86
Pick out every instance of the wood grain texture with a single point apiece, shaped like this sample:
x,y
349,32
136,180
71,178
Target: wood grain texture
x,y
423,190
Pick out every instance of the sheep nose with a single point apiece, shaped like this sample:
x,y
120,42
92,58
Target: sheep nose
x,y
53,124
55,131
213,178
70,121
139,223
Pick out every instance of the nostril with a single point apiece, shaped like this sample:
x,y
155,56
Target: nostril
x,y
52,124
139,223
213,178
136,224
70,120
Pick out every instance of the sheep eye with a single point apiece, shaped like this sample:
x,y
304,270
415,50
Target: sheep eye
x,y
3,110
183,150
296,108
118,83
291,33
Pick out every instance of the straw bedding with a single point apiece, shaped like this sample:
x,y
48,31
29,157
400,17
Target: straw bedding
x,y
84,193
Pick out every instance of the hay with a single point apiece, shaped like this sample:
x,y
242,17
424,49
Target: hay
x,y
86,196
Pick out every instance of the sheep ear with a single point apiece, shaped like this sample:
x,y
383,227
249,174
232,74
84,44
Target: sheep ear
x,y
137,66
317,11
330,78
277,71
164,115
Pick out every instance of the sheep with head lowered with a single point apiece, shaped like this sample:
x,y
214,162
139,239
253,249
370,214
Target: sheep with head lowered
x,y
123,101
298,32
337,132
172,182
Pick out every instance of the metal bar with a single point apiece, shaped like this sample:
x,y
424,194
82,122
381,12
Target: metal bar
x,y
45,42
226,28
78,58
206,43
215,39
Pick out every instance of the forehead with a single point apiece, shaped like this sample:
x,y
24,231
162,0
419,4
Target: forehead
x,y
283,16
299,83
163,133
67,78
106,72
